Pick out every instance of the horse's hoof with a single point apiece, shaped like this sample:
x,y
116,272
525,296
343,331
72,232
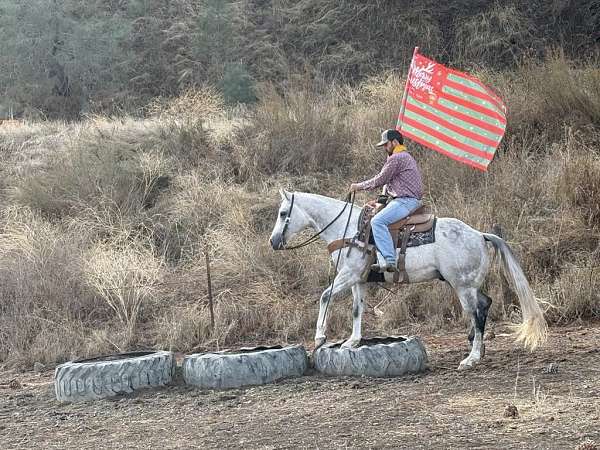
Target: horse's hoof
x,y
467,364
319,342
351,343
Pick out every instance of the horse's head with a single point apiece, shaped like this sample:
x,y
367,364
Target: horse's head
x,y
290,221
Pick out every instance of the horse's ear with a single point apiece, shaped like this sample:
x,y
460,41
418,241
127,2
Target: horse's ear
x,y
284,194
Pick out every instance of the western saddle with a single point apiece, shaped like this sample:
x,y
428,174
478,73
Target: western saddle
x,y
418,221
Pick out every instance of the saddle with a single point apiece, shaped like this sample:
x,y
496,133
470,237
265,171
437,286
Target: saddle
x,y
415,229
418,221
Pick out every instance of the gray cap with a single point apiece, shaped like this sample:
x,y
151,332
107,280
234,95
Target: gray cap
x,y
389,135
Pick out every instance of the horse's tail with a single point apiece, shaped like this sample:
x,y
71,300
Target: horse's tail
x,y
533,331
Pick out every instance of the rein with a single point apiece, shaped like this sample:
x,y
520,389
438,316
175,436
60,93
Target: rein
x,y
315,237
337,262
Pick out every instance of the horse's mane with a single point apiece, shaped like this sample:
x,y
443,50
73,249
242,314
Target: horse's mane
x,y
324,199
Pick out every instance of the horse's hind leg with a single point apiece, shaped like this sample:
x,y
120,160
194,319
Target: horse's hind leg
x,y
483,305
476,304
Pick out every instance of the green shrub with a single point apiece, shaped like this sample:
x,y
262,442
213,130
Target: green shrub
x,y
237,85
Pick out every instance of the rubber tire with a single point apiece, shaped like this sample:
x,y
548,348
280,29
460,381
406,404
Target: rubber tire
x,y
248,366
108,376
377,357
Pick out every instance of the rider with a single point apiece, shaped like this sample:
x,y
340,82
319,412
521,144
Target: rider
x,y
402,178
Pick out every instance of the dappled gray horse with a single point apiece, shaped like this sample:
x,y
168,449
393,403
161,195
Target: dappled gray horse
x,y
459,256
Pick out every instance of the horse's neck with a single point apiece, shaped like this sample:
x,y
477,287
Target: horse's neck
x,y
322,210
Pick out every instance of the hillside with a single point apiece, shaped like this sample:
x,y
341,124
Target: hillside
x,y
69,58
105,218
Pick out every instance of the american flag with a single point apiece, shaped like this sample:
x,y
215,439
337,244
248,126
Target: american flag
x,y
451,112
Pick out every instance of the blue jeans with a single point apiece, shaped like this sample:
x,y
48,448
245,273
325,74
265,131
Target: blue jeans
x,y
395,210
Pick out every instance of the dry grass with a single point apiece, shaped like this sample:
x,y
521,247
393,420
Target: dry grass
x,y
192,104
544,97
98,164
335,39
578,182
122,203
300,132
489,37
45,304
125,274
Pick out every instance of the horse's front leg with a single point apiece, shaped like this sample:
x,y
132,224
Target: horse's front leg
x,y
341,283
358,306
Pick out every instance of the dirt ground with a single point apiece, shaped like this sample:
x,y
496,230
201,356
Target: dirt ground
x,y
556,392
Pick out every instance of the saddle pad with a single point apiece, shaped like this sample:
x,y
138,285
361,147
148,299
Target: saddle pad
x,y
414,240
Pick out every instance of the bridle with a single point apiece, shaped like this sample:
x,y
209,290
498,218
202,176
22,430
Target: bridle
x,y
315,237
287,221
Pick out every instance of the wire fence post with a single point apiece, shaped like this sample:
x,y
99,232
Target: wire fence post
x,y
210,297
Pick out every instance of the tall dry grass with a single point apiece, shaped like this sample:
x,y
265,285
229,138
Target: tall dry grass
x,y
301,131
499,35
125,274
45,304
119,204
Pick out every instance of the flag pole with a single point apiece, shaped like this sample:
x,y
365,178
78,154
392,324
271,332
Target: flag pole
x,y
401,115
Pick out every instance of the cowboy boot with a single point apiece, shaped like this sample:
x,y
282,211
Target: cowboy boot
x,y
383,265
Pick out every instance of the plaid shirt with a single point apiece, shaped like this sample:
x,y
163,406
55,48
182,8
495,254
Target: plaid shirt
x,y
402,176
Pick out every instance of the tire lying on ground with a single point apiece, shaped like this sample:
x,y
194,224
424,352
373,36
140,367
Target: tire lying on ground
x,y
375,357
246,366
108,376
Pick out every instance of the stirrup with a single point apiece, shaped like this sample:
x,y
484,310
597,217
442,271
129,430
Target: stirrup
x,y
385,268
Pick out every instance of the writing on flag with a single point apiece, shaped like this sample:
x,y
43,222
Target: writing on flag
x,y
451,112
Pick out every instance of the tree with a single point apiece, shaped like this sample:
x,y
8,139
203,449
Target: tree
x,y
58,55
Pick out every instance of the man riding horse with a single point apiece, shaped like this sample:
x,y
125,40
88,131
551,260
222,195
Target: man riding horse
x,y
402,179
459,254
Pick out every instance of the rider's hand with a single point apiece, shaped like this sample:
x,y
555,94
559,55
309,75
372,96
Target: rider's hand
x,y
371,203
354,187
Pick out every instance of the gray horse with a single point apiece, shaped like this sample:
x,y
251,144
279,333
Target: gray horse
x,y
459,256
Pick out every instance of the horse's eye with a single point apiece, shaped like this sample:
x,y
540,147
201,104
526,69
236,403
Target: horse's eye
x,y
283,214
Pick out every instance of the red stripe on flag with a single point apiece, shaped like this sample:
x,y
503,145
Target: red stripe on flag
x,y
437,148
444,123
464,117
476,81
474,93
447,139
473,106
468,119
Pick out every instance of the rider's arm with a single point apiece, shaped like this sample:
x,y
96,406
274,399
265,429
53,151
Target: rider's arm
x,y
387,171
